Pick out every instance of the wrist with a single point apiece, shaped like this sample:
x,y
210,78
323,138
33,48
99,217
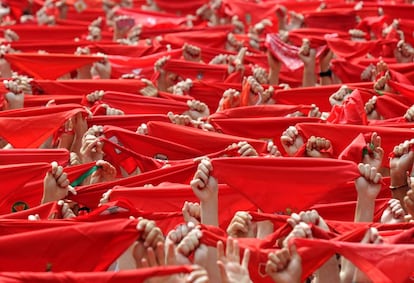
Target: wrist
x,y
327,73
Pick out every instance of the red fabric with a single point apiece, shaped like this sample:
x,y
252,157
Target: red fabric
x,y
315,35
309,95
142,66
250,12
47,33
354,151
286,53
392,106
172,197
42,100
205,142
128,122
260,111
196,71
215,37
351,111
13,179
345,211
124,209
338,19
376,261
83,87
124,276
28,190
29,128
400,11
264,178
265,128
151,146
404,89
139,104
151,18
349,49
210,93
342,135
180,7
48,66
10,226
96,246
122,157
16,156
45,211
179,173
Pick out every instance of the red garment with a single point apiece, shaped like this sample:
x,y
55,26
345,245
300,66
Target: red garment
x,y
151,18
121,209
376,261
17,156
182,172
342,135
215,37
49,66
142,66
51,33
337,19
264,178
197,71
315,35
139,104
25,191
83,87
345,211
311,95
125,276
96,246
180,7
29,128
151,146
265,128
128,122
250,12
210,93
203,141
45,211
172,197
350,50
260,111
122,157
42,100
351,111
286,53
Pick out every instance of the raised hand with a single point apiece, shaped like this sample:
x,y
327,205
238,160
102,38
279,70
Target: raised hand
x,y
231,269
291,140
284,266
241,225
56,184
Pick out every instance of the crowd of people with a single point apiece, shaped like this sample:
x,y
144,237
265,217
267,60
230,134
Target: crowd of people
x,y
206,141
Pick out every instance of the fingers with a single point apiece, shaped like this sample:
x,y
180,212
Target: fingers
x,y
151,234
289,136
203,172
190,242
396,209
370,173
191,212
246,150
240,224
